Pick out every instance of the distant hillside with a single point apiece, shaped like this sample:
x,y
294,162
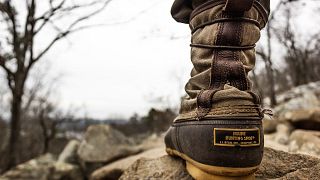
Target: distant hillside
x,y
80,125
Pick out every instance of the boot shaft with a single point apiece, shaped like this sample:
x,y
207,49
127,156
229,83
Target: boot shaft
x,y
222,52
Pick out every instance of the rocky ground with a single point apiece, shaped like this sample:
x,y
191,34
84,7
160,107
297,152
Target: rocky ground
x,y
292,140
275,165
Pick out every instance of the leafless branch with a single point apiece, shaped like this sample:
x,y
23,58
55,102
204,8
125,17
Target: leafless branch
x,y
4,66
72,27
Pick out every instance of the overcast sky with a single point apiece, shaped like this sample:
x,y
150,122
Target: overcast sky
x,y
115,70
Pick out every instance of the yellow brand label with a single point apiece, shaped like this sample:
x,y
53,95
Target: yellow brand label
x,y
236,137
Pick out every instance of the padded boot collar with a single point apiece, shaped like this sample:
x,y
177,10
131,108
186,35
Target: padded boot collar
x,y
183,10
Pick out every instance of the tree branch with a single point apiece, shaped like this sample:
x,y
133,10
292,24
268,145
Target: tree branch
x,y
9,73
9,10
72,27
29,28
46,17
4,66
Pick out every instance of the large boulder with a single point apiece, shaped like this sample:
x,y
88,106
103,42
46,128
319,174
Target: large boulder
x,y
300,106
103,144
44,168
282,134
282,165
69,153
164,167
299,98
279,140
269,141
114,170
304,118
275,165
305,142
151,142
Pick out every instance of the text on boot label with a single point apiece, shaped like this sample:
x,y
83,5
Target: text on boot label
x,y
236,137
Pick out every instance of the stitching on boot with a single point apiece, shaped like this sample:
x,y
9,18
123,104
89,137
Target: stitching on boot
x,y
203,111
237,58
241,35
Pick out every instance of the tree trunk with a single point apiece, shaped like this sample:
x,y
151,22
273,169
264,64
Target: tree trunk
x,y
257,85
46,138
272,93
14,130
269,69
15,124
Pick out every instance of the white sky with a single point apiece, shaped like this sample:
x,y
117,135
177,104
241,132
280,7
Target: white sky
x,y
114,70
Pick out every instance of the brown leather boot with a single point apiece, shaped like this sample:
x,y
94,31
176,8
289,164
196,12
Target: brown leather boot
x,y
219,130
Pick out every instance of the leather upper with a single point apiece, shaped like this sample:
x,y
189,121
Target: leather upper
x,y
182,9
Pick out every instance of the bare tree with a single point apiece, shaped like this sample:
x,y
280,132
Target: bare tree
x,y
256,84
2,102
18,54
39,106
266,54
301,56
49,118
297,67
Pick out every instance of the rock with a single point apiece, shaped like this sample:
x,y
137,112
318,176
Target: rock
x,y
275,164
300,106
69,154
304,119
115,169
280,139
303,97
303,114
282,165
305,142
164,167
43,168
103,144
66,171
311,173
282,134
152,142
271,143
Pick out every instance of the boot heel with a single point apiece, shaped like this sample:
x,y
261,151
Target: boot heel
x,y
199,174
214,150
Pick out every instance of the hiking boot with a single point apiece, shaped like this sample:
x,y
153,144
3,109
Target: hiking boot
x,y
219,128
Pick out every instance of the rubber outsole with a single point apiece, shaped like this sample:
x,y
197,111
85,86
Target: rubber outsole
x,y
201,171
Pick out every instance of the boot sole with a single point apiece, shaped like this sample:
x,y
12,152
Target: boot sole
x,y
201,171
